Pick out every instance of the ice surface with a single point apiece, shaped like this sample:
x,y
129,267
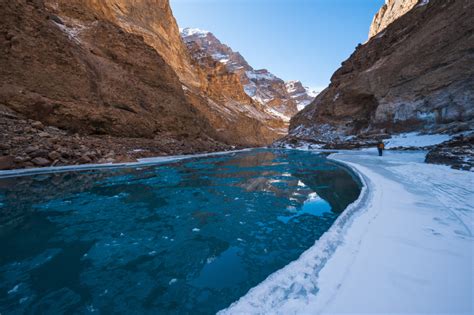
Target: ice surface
x,y
406,246
189,236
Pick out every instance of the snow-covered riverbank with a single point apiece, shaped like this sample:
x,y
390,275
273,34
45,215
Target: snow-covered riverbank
x,y
408,247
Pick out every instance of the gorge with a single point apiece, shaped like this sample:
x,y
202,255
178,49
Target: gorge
x,y
111,81
147,167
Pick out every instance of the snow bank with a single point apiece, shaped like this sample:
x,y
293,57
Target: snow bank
x,y
414,139
406,246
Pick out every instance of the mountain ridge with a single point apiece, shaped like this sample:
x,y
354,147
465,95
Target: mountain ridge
x,y
261,85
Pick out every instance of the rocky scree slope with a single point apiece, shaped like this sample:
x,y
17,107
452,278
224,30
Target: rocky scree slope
x,y
65,65
417,75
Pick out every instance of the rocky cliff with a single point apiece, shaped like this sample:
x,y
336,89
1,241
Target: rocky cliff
x,y
152,20
417,75
389,12
65,64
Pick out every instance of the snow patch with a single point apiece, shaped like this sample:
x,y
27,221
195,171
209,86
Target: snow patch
x,y
302,105
188,31
260,75
414,139
72,32
423,3
273,112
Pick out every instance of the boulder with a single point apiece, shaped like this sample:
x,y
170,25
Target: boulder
x,y
37,125
6,162
54,155
39,161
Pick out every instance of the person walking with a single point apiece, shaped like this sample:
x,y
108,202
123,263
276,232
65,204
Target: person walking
x,y
381,147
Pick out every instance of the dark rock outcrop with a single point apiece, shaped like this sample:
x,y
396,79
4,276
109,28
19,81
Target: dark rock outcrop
x,y
458,153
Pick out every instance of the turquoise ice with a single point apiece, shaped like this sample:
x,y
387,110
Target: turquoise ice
x,y
184,237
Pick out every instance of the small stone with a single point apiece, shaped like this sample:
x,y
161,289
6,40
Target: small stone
x,y
38,125
39,153
39,161
84,159
44,135
28,164
54,155
6,162
31,149
56,19
21,159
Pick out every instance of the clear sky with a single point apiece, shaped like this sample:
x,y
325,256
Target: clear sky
x,y
295,39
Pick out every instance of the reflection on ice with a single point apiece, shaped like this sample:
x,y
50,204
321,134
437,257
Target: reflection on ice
x,y
314,205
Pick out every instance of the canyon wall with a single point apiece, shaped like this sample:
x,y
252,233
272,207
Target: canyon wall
x,y
211,89
119,68
85,74
417,75
113,96
152,20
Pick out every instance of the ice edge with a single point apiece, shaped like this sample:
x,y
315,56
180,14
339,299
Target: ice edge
x,y
281,283
89,167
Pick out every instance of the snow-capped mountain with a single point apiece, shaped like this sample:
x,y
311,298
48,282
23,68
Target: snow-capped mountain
x,y
302,95
262,86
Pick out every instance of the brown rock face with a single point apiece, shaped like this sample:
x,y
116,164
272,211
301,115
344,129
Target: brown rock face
x,y
418,76
66,66
152,20
207,85
390,11
237,118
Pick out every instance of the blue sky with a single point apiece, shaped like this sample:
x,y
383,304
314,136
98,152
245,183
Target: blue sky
x,y
295,39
